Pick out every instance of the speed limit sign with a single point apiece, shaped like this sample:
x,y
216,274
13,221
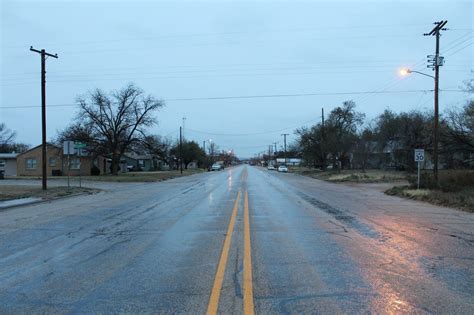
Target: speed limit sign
x,y
419,155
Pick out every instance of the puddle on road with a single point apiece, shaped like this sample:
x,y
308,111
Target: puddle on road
x,y
341,216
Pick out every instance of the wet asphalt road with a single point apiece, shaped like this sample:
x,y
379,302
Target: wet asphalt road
x,y
307,247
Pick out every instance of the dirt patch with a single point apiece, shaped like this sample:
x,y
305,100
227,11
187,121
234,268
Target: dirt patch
x,y
132,177
9,192
462,199
352,176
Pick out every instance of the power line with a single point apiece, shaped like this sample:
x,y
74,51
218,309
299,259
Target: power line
x,y
453,44
257,96
340,63
398,80
217,34
452,54
112,77
153,48
291,95
458,44
304,67
250,134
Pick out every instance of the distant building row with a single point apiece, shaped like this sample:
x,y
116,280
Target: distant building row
x,y
29,163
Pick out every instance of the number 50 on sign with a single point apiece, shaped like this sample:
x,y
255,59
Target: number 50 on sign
x,y
419,155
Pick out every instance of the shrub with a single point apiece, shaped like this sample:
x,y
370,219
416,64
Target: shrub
x,y
95,171
449,181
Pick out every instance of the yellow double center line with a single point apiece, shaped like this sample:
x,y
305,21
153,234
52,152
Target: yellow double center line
x,y
247,281
248,287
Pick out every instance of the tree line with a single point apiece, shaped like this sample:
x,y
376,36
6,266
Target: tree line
x,y
111,124
348,140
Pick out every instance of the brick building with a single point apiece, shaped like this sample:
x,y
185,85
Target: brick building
x,y
29,163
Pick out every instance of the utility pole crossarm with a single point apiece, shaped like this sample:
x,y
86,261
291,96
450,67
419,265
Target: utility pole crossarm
x,y
45,53
439,26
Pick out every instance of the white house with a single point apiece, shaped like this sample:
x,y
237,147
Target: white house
x,y
8,163
289,161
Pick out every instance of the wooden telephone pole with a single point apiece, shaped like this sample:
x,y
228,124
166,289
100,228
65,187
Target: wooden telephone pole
x,y
43,110
436,61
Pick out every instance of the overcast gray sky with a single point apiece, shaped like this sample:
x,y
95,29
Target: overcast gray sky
x,y
198,50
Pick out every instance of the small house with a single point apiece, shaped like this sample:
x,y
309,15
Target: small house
x,y
8,163
29,163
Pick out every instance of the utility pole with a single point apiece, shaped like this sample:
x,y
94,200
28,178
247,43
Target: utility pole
x,y
322,115
269,154
436,61
205,155
284,137
323,157
184,121
181,149
43,111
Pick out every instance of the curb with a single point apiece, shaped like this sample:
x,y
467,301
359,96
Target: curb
x,y
41,201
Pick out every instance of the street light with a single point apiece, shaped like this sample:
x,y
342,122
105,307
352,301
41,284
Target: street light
x,y
436,118
405,72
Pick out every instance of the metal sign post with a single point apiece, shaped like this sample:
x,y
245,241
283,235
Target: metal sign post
x,y
79,146
419,158
79,154
68,163
68,149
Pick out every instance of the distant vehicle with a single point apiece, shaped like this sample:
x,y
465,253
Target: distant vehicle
x,y
282,169
270,168
216,167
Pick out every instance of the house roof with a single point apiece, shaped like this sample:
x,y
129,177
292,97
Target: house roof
x,y
12,155
138,156
38,146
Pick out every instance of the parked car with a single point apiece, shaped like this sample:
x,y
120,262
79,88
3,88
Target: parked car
x,y
270,168
216,167
282,169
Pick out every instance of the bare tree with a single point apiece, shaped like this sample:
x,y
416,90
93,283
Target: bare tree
x,y
365,146
114,121
6,138
341,131
155,145
458,135
337,138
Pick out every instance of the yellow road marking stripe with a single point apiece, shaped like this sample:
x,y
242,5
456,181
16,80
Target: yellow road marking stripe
x,y
216,288
248,286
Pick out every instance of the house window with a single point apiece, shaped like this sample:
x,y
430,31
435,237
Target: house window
x,y
52,161
141,163
30,164
75,164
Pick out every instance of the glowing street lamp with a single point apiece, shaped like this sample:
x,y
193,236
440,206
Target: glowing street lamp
x,y
405,72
